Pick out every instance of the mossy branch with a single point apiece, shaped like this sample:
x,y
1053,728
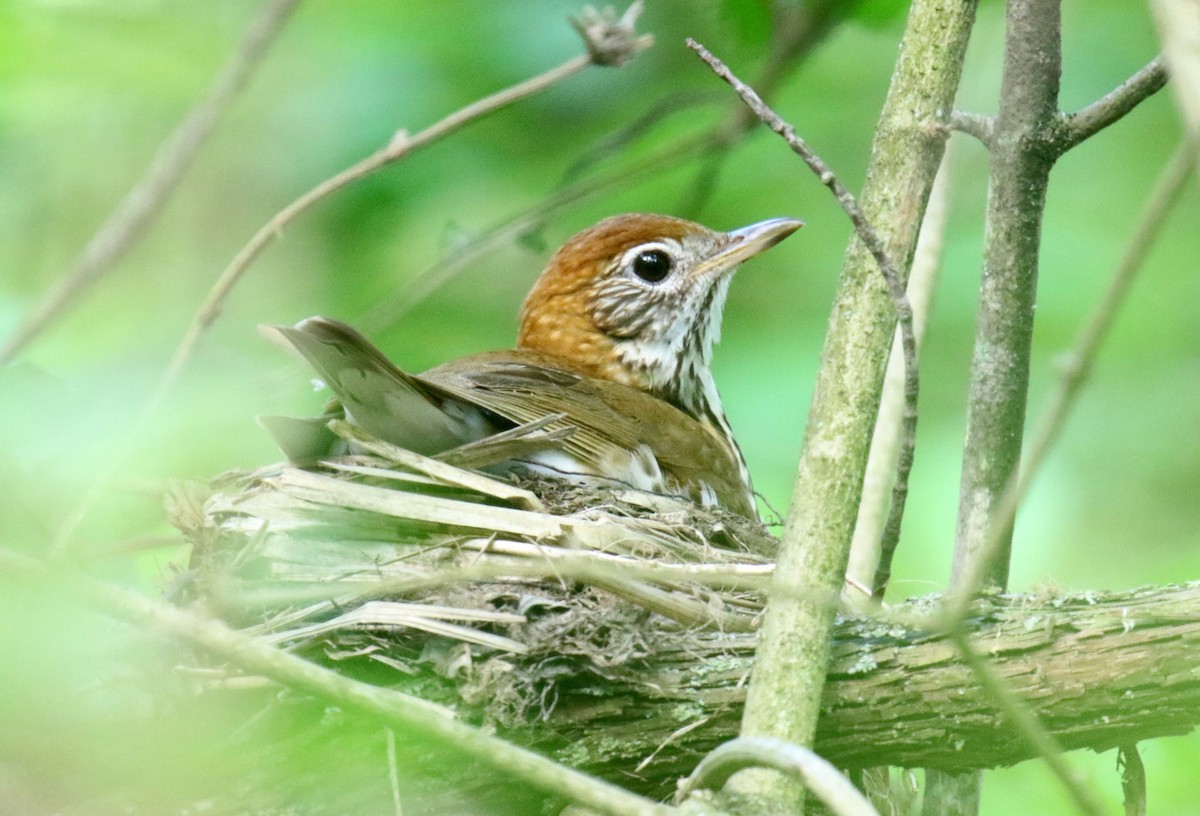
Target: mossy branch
x,y
789,671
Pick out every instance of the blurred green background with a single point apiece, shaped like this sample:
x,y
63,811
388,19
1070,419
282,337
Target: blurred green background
x,y
88,88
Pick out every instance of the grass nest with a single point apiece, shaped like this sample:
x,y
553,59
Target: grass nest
x,y
398,567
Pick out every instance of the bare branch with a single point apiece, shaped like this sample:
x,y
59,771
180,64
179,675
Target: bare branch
x,y
1021,158
1111,107
142,205
825,781
981,127
893,277
870,564
608,42
1078,363
796,29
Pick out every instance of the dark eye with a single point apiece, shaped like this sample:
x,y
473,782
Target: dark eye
x,y
652,265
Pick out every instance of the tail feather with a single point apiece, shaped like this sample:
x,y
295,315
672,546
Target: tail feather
x,y
303,441
376,395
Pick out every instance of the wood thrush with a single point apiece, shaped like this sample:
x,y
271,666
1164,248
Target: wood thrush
x,y
616,336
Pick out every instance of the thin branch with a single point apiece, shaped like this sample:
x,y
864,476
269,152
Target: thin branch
x,y
392,709
608,42
1021,158
144,202
400,146
797,28
412,292
1078,364
1019,715
824,780
981,127
892,276
1111,107
870,564
794,649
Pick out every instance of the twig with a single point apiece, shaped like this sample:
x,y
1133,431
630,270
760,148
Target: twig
x,y
869,564
1074,128
1114,105
144,202
1133,779
608,42
828,784
793,649
1026,723
389,311
1077,365
391,708
981,127
893,277
796,30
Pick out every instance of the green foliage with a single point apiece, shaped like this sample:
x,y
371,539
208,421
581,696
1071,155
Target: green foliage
x,y
88,90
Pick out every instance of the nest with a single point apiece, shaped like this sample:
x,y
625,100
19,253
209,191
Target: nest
x,y
397,566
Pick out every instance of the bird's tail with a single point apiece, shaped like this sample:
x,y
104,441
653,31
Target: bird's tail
x,y
373,393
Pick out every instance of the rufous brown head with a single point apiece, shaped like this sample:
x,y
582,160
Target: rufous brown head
x,y
637,299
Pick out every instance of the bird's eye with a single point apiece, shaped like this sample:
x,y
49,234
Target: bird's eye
x,y
652,266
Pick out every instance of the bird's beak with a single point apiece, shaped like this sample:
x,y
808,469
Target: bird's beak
x,y
747,242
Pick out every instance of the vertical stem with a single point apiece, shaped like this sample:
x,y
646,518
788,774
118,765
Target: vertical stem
x,y
1022,154
793,653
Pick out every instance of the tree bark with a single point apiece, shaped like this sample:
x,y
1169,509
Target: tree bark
x,y
1099,670
908,147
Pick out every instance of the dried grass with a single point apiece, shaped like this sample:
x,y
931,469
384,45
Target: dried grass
x,y
499,584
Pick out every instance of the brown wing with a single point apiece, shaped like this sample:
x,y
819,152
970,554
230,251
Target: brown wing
x,y
477,396
611,420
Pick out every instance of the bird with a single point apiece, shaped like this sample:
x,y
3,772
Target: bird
x,y
613,351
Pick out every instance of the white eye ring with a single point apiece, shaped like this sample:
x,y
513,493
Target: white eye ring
x,y
650,263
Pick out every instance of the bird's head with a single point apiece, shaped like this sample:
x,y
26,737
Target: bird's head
x,y
638,298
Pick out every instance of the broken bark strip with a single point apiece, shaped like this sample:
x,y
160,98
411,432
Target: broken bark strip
x,y
1100,670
